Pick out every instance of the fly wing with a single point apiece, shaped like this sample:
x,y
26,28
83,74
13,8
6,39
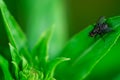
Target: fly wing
x,y
101,20
106,28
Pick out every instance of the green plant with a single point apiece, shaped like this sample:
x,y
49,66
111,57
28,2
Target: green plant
x,y
27,65
82,53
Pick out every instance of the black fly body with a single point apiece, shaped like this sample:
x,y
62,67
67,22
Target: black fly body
x,y
100,28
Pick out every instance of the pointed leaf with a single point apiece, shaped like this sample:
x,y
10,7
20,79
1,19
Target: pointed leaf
x,y
16,36
14,54
41,15
40,51
15,60
52,66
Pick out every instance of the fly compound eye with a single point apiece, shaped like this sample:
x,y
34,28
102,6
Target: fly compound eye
x,y
91,34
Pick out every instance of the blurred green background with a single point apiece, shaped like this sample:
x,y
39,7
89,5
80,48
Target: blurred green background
x,y
79,14
69,17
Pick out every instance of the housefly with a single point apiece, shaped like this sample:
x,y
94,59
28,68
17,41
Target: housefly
x,y
100,28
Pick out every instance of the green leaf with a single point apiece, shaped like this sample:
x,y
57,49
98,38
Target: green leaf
x,y
16,36
109,66
14,54
15,60
41,15
40,50
85,52
51,66
5,67
117,77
